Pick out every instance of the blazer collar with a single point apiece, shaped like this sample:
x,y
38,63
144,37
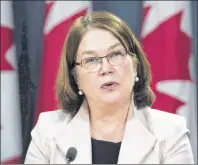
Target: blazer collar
x,y
76,134
138,141
136,144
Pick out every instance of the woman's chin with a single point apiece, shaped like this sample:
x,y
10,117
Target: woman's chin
x,y
111,98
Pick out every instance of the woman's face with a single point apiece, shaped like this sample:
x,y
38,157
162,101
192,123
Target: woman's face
x,y
101,81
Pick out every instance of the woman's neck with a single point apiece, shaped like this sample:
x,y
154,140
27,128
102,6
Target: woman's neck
x,y
108,122
109,113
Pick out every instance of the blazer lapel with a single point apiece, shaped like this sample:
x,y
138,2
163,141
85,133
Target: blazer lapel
x,y
77,134
137,141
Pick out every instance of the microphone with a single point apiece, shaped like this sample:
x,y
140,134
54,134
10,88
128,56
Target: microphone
x,y
71,154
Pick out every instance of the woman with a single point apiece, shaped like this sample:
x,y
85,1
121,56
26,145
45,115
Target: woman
x,y
105,99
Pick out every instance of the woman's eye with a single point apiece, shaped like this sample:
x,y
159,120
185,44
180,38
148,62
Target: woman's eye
x,y
118,53
90,60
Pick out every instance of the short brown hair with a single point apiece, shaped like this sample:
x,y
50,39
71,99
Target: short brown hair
x,y
66,87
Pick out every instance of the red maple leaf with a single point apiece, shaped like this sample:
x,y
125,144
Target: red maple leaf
x,y
168,50
13,160
47,10
145,12
6,43
53,44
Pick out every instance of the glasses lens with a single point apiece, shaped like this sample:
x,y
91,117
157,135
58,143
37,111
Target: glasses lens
x,y
94,63
117,57
91,63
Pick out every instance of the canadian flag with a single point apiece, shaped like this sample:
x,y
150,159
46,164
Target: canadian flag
x,y
11,138
167,40
59,16
166,37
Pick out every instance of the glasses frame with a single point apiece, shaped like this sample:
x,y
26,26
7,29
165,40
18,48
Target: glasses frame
x,y
107,57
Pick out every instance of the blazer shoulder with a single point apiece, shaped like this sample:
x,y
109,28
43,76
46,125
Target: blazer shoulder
x,y
49,122
172,134
164,124
52,117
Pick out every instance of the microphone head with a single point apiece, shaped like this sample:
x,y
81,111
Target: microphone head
x,y
71,154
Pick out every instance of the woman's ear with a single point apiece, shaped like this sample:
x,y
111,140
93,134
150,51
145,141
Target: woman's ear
x,y
77,82
135,66
75,77
135,72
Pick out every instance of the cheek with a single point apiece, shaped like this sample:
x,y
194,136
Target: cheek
x,y
127,71
86,80
129,79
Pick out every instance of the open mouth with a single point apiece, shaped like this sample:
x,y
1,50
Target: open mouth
x,y
109,85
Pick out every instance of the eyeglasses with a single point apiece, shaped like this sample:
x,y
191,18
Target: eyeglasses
x,y
93,64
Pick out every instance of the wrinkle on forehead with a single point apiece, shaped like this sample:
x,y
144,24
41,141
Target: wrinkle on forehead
x,y
97,40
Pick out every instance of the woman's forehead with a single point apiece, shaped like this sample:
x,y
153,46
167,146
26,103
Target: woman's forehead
x,y
98,40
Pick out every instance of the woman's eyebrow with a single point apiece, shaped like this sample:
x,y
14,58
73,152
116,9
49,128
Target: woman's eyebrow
x,y
95,53
88,52
113,46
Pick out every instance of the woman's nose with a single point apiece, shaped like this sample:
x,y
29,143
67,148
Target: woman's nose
x,y
106,67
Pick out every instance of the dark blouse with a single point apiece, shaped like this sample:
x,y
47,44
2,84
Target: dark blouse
x,y
104,152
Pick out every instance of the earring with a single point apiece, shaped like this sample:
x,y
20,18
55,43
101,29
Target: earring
x,y
80,92
136,79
